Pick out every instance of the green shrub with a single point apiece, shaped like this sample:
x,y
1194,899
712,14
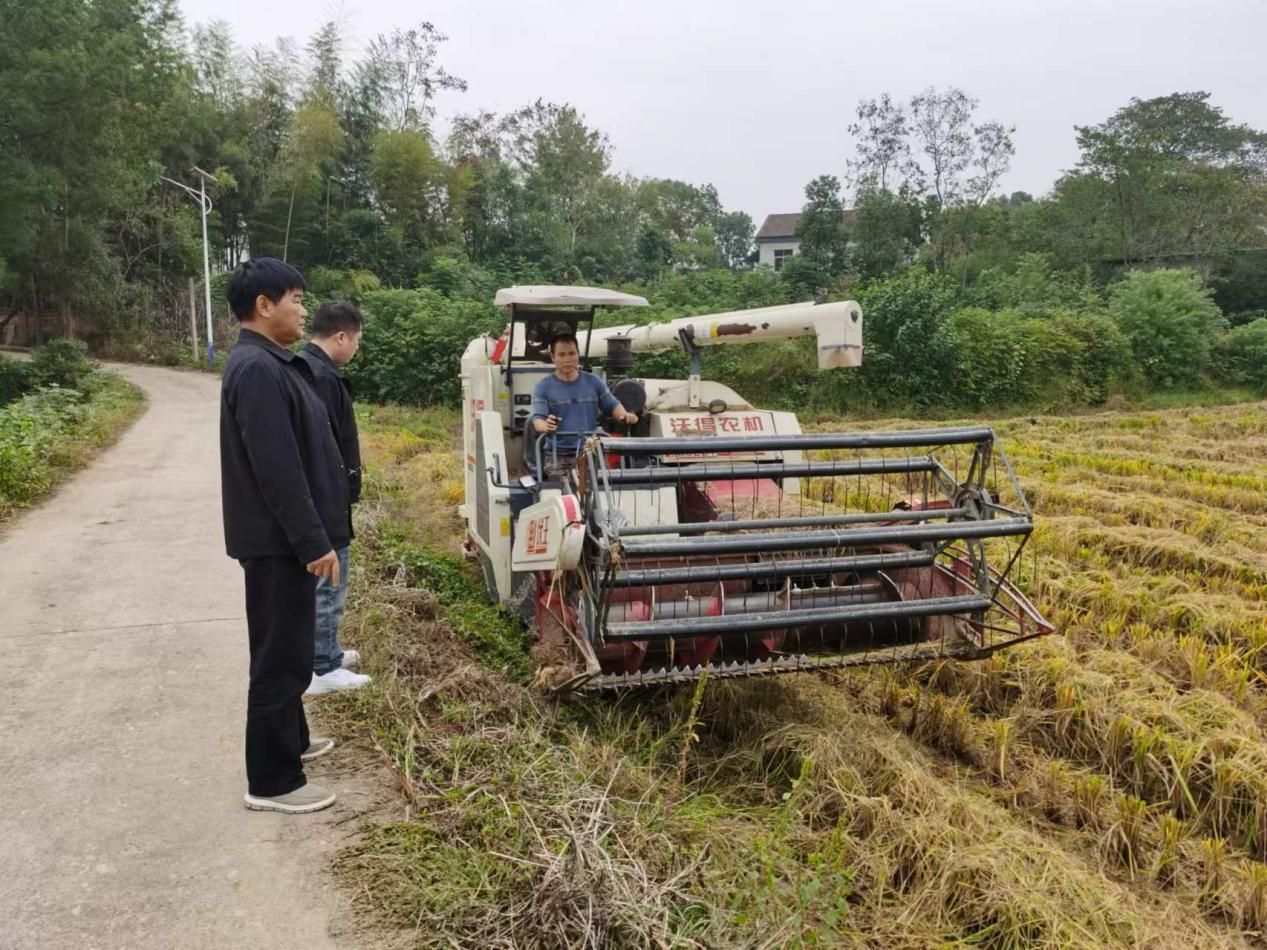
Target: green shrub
x,y
908,361
1032,286
1170,321
1101,354
14,379
413,343
924,352
1010,358
676,294
29,429
1240,282
326,283
1242,317
993,357
61,363
458,278
1240,357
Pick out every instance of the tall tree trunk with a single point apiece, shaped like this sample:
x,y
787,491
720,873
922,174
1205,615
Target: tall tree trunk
x,y
4,324
289,212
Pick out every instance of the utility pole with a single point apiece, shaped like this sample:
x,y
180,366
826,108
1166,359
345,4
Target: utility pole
x,y
204,203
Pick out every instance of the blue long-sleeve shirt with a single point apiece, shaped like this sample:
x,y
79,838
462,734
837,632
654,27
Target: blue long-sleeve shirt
x,y
576,404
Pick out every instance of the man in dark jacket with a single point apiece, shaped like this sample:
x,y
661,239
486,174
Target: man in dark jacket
x,y
336,334
285,497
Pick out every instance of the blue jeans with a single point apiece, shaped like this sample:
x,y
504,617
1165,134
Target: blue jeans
x,y
328,655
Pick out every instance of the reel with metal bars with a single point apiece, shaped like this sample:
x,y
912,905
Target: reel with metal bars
x,y
874,549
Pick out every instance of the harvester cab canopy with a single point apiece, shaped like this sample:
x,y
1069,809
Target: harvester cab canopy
x,y
539,312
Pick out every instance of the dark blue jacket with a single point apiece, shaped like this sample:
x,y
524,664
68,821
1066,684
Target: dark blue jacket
x,y
335,391
283,484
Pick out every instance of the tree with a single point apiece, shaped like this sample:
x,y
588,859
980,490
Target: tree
x,y
402,66
409,183
217,63
821,229
931,145
489,209
931,149
480,136
699,251
545,174
883,161
361,116
677,207
566,162
325,51
941,125
655,248
734,233
886,231
1169,178
87,93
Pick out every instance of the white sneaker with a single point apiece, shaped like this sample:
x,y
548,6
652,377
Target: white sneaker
x,y
350,659
334,681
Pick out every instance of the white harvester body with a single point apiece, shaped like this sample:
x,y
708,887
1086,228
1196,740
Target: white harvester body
x,y
703,470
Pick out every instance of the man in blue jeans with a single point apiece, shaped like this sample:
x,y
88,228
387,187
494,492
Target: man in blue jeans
x,y
336,334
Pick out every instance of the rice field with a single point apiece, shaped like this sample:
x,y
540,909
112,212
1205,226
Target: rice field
x,y
1102,787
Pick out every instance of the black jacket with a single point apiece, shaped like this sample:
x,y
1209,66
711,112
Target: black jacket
x,y
281,473
335,390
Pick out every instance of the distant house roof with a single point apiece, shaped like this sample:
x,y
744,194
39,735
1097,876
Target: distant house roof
x,y
783,226
779,226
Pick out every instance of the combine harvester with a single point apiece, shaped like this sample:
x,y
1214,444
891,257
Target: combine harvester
x,y
718,536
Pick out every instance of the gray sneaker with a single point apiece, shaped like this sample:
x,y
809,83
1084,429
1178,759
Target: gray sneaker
x,y
302,800
316,749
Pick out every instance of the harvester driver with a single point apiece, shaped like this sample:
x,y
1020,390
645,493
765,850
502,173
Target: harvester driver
x,y
567,403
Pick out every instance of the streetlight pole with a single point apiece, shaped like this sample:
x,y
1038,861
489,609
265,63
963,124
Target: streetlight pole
x,y
204,203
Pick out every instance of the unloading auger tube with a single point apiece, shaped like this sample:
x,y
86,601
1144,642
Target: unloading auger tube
x,y
836,328
770,584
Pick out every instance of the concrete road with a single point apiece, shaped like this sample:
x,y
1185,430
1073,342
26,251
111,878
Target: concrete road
x,y
122,706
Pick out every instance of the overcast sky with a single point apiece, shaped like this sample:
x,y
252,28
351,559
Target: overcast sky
x,y
755,97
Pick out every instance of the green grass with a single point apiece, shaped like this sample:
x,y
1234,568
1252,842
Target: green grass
x,y
43,440
1206,396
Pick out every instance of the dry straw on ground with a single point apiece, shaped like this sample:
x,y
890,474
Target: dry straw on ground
x,y
1104,787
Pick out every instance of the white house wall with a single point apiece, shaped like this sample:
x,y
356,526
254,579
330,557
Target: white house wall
x,y
766,250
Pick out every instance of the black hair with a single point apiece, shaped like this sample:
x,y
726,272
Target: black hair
x,y
337,315
563,338
261,275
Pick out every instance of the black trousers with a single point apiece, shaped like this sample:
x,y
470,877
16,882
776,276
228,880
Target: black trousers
x,y
280,618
